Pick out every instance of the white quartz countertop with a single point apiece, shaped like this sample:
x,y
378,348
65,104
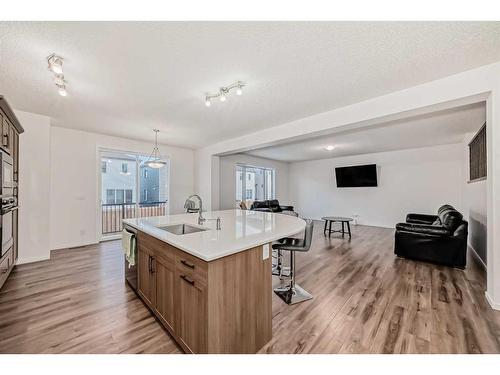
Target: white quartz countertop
x,y
240,230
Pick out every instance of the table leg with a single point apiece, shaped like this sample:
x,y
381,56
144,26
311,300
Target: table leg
x,y
330,229
343,229
324,230
349,229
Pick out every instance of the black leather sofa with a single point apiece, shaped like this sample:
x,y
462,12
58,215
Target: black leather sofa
x,y
440,239
272,205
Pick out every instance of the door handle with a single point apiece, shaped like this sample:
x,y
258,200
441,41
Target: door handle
x,y
187,279
187,264
153,264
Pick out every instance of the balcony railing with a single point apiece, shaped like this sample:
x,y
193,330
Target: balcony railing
x,y
112,214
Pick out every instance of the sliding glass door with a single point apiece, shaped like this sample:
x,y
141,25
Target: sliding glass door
x,y
254,183
130,189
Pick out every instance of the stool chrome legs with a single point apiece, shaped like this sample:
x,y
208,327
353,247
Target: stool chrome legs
x,y
292,293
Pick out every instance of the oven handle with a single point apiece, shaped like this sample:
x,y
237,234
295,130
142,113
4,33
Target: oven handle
x,y
9,209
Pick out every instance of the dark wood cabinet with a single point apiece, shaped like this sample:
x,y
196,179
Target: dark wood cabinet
x,y
10,129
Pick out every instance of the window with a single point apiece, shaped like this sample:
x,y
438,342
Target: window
x,y
119,196
254,183
130,189
477,156
249,194
128,196
110,196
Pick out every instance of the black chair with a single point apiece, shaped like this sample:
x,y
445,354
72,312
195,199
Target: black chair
x,y
440,239
293,293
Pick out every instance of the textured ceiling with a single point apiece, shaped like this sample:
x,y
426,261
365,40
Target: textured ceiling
x,y
438,128
126,78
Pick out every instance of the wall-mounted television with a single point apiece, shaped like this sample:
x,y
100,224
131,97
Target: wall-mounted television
x,y
356,176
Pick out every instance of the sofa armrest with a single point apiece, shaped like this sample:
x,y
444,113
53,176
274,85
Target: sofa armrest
x,y
286,208
421,218
262,209
423,229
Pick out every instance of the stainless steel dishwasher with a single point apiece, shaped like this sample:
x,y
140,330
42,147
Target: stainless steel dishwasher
x,y
131,271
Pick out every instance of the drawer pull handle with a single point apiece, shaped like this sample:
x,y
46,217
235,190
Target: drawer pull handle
x,y
187,264
187,279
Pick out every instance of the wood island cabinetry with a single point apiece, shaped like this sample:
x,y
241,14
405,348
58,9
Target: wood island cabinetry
x,y
221,306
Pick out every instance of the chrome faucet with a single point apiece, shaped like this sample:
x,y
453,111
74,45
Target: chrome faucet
x,y
201,219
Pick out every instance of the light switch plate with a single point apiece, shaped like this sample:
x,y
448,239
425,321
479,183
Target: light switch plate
x,y
265,251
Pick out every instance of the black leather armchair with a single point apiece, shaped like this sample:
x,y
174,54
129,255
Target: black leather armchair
x,y
440,238
272,205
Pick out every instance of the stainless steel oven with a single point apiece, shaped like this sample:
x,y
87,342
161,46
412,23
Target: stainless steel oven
x,y
9,205
6,175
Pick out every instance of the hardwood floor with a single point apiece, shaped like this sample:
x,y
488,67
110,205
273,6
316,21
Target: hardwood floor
x,y
365,301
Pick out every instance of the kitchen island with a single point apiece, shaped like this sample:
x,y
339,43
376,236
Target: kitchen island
x,y
211,289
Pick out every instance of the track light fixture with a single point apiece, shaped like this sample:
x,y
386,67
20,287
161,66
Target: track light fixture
x,y
56,66
223,91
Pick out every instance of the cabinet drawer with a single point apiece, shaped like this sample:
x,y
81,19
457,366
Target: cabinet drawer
x,y
191,266
156,246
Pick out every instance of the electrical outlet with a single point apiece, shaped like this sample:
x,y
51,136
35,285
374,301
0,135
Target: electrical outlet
x,y
265,251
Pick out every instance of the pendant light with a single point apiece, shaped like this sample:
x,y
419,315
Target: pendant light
x,y
154,160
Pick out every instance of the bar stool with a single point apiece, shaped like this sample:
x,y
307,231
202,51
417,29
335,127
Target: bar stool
x,y
294,293
278,269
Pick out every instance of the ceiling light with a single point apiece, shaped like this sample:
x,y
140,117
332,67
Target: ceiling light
x,y
59,80
62,91
154,160
329,148
223,91
55,63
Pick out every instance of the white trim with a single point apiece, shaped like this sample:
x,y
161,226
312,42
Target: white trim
x,y
493,304
111,238
75,245
32,259
477,257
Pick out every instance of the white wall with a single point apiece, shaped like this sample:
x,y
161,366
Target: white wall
x,y
416,180
475,205
34,187
227,172
74,187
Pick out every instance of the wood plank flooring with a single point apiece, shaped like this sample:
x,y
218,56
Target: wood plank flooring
x,y
366,300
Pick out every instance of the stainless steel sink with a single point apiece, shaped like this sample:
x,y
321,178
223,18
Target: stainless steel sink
x,y
181,229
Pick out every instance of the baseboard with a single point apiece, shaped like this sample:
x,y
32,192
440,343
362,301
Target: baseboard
x,y
74,245
477,257
493,304
32,259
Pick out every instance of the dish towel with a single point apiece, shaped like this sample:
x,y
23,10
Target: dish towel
x,y
129,247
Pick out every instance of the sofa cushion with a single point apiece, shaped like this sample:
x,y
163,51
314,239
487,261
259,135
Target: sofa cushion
x,y
449,217
260,204
437,222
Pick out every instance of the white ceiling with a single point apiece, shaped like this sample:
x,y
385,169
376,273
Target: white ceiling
x,y
126,78
438,128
